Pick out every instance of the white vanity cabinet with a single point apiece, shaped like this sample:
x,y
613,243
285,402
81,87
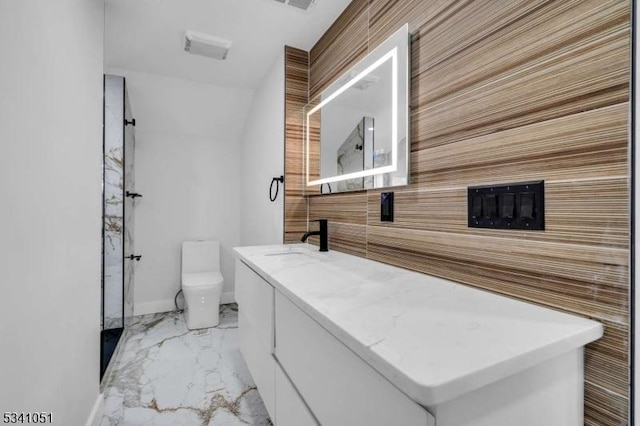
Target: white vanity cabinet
x,y
333,339
291,410
333,383
339,387
255,299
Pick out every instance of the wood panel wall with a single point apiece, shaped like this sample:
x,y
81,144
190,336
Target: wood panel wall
x,y
502,91
296,87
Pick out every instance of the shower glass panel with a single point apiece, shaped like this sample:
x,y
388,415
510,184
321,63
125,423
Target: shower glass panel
x,y
117,278
129,204
113,278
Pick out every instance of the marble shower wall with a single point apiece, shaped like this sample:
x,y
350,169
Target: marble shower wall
x,y
113,202
119,143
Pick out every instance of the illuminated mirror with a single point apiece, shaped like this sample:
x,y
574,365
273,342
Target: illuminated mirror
x,y
356,130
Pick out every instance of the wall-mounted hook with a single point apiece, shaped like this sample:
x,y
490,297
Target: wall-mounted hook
x,y
132,194
132,122
277,181
134,257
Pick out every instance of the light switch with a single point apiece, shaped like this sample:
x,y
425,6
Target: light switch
x,y
386,207
490,206
527,205
507,205
476,206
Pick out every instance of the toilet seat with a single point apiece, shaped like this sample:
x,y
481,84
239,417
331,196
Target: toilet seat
x,y
199,279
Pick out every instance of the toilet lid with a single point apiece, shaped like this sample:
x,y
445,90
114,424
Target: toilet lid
x,y
197,279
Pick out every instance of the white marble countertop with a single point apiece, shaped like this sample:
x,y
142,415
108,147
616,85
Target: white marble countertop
x,y
432,338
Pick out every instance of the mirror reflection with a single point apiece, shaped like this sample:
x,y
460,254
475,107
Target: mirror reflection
x,y
353,155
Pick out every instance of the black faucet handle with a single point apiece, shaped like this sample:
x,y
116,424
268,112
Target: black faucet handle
x,y
322,232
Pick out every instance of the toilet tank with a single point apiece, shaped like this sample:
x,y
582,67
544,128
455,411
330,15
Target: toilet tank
x,y
200,256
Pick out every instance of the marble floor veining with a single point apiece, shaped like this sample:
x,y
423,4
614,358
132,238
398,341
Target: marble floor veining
x,y
168,375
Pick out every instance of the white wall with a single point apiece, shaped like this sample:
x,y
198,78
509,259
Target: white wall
x,y
188,169
263,159
50,186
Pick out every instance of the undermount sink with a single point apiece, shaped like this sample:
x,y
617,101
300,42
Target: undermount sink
x,y
292,251
283,253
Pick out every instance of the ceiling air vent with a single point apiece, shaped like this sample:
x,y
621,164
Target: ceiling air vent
x,y
300,4
206,45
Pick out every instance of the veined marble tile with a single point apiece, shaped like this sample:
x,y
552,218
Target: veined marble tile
x,y
113,201
169,375
110,323
113,291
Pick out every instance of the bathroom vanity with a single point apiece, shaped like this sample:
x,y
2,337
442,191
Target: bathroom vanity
x,y
335,339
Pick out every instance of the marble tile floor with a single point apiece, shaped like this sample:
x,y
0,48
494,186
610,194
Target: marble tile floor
x,y
168,375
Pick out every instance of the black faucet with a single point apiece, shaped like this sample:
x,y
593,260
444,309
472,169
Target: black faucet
x,y
322,232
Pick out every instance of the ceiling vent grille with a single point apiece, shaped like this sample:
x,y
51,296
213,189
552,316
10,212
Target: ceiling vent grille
x,y
206,45
300,4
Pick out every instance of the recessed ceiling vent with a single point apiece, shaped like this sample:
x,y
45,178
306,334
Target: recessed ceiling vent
x,y
206,45
367,81
300,4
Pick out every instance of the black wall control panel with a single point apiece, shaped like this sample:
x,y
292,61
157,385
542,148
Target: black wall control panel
x,y
386,207
508,206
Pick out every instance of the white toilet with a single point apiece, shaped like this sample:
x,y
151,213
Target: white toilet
x,y
201,283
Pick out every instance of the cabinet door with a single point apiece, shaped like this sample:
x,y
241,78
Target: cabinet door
x,y
255,327
261,364
337,385
290,408
255,300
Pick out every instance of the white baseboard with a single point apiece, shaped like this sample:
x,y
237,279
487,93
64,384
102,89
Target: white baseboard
x,y
168,305
228,297
95,417
153,307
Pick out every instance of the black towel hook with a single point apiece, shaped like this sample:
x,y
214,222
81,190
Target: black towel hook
x,y
132,194
277,181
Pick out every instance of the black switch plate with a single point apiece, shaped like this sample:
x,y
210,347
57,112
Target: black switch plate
x,y
507,206
386,207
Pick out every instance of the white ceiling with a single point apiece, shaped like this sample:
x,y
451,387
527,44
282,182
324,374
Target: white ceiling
x,y
148,35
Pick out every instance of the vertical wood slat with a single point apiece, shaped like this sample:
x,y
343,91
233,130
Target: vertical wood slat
x,y
296,77
313,129
551,28
347,215
586,213
343,44
506,91
546,90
